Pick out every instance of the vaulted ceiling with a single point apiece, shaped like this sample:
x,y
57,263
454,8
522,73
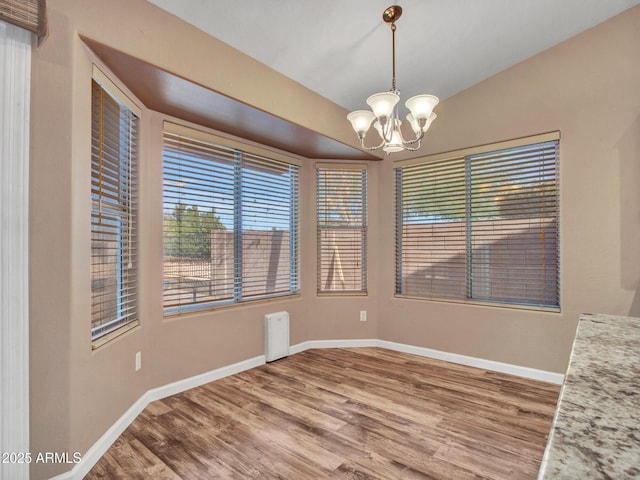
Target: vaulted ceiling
x,y
342,51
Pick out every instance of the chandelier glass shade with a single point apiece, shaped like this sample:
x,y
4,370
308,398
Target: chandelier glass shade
x,y
384,109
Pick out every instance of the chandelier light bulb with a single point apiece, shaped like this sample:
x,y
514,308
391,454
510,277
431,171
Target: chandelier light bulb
x,y
421,106
383,104
361,121
430,120
416,126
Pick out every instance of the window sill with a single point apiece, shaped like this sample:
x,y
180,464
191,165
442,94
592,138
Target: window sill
x,y
539,308
208,308
343,294
99,342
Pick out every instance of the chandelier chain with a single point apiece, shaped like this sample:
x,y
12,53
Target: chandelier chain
x,y
393,57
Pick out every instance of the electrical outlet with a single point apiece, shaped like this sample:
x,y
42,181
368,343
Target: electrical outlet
x,y
363,315
138,361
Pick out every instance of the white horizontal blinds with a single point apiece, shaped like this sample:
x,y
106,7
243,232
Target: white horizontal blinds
x,y
482,227
230,224
513,203
269,206
342,229
199,219
27,14
431,231
113,213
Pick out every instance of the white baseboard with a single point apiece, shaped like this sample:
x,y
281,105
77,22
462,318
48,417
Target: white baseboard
x,y
94,454
211,376
99,448
301,347
532,373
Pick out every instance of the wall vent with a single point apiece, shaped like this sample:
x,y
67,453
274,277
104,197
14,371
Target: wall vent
x,y
276,336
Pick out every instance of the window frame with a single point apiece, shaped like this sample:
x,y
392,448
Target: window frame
x,y
333,171
237,148
127,208
464,155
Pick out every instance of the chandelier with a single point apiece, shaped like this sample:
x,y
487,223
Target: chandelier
x,y
384,106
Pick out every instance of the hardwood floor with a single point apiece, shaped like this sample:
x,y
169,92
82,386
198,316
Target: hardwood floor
x,y
360,413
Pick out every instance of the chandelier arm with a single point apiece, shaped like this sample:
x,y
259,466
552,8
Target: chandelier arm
x,y
362,145
391,120
411,149
388,129
418,139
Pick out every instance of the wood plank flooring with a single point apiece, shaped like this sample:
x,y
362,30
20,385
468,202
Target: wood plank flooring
x,y
360,413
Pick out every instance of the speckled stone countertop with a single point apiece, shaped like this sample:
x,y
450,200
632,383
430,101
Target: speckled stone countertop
x,y
596,429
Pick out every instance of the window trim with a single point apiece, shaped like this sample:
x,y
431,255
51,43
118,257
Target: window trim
x,y
199,133
103,79
463,153
118,93
488,147
196,132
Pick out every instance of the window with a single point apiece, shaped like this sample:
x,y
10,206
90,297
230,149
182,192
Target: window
x,y
231,216
342,228
482,226
28,14
114,210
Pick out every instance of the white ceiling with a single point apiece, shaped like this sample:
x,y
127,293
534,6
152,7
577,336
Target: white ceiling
x,y
342,48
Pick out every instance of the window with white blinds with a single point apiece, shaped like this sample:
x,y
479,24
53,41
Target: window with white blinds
x,y
114,210
481,227
27,14
231,222
342,229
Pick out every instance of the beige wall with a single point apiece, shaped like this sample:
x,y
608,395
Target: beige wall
x,y
588,88
77,393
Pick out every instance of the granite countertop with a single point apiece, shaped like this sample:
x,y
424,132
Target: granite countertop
x,y
596,428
